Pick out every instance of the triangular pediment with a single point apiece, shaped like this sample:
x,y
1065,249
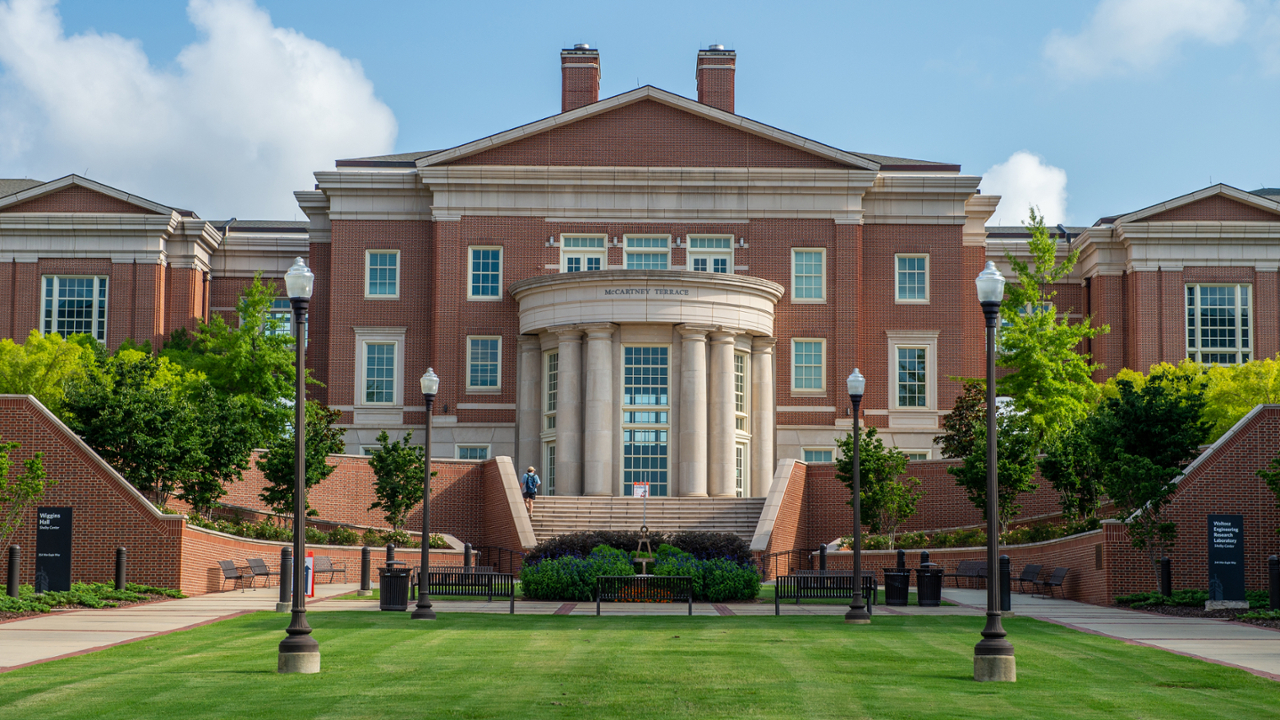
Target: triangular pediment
x,y
649,127
75,194
1217,203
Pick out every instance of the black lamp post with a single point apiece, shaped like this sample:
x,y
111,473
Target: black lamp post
x,y
993,655
299,652
857,607
430,385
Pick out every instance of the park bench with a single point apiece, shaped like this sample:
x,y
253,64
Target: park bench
x,y
1030,574
814,584
325,564
259,568
1045,587
470,583
231,571
644,588
969,569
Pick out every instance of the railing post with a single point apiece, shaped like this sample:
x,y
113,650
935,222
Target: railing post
x,y
902,559
391,553
1005,596
1166,577
1273,570
285,603
366,561
466,557
822,559
121,561
924,558
15,559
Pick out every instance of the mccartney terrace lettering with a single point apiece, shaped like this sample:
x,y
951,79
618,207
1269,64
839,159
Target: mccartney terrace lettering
x,y
646,291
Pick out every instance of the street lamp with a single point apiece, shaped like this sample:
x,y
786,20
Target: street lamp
x,y
857,607
993,655
299,652
430,385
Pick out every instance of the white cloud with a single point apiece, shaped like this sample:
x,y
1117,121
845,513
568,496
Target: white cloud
x,y
249,113
1137,35
1024,181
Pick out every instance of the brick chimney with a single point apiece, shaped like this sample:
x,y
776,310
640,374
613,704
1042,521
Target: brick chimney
x,y
715,77
579,77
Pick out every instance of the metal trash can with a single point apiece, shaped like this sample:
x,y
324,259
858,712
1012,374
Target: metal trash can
x,y
897,585
393,586
929,586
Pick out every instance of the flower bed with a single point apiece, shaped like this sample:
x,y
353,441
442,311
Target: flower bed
x,y
572,578
972,537
90,595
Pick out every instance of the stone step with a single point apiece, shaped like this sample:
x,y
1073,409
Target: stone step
x,y
560,515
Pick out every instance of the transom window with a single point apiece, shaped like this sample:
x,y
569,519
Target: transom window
x,y
380,373
648,252
1218,324
485,274
912,377
912,278
382,278
552,390
483,363
582,254
819,455
473,452
711,254
808,364
808,275
645,417
75,305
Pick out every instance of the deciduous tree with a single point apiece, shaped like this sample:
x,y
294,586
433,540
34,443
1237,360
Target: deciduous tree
x,y
19,493
1016,445
1071,466
44,366
969,412
398,467
277,464
887,502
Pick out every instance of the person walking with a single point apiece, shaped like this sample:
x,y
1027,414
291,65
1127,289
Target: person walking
x,y
529,485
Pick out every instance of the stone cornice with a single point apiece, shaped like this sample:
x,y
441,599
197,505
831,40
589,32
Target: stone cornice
x,y
367,195
121,238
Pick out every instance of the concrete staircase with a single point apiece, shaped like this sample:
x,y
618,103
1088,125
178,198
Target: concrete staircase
x,y
560,515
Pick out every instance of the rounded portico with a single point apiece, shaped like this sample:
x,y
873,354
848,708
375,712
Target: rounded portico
x,y
662,377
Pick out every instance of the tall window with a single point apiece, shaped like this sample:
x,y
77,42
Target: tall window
x,y
582,254
553,390
380,373
711,254
808,365
382,276
1218,324
282,313
645,417
740,469
485,274
912,377
549,468
912,278
483,363
740,391
647,252
808,275
75,305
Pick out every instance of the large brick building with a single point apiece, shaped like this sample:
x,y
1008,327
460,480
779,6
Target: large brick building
x,y
641,288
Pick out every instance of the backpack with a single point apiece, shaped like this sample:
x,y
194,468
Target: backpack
x,y
530,483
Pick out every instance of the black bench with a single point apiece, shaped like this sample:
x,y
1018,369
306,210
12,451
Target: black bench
x,y
1030,574
814,584
1045,587
644,588
468,584
325,564
231,571
970,569
259,568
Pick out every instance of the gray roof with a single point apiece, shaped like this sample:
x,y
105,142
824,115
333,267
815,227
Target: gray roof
x,y
16,185
888,162
1013,232
408,159
264,225
1264,192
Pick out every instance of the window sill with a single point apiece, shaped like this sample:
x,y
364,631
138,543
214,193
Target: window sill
x,y
381,297
911,302
808,301
809,393
484,298
484,391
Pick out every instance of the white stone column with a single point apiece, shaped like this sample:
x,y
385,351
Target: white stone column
x,y
762,414
569,412
529,404
720,426
693,411
597,448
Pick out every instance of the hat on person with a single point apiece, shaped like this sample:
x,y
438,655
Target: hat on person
x,y
530,468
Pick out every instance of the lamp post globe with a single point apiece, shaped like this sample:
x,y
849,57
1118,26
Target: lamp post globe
x,y
993,658
430,384
299,652
857,614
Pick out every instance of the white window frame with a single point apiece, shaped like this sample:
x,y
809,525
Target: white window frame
x,y
627,252
928,454
743,488
895,380
378,336
368,256
709,254
549,413
913,417
368,450
483,389
672,471
809,301
549,466
274,313
808,392
395,371
471,273
897,286
471,446
831,450
584,253
1244,350
742,418
51,318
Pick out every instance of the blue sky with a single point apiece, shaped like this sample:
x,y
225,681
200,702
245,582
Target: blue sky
x,y
225,106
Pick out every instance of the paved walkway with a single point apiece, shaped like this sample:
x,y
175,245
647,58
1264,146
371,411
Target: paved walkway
x,y
61,634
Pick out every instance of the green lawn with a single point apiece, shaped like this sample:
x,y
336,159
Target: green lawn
x,y
766,596
380,665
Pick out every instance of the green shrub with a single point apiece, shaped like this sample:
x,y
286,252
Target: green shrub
x,y
573,578
702,545
316,536
92,595
715,579
1260,614
343,536
913,540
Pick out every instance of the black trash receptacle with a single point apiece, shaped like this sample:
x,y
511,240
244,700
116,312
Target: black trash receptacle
x,y
393,586
929,587
897,585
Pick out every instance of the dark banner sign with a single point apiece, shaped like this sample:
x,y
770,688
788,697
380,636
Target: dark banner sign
x,y
53,549
1226,557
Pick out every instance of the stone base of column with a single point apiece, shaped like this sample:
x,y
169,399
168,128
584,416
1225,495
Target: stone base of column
x,y
995,668
364,593
305,663
284,607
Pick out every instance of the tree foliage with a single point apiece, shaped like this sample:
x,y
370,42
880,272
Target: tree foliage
x,y
1016,446
19,493
1071,466
887,502
44,366
1233,390
277,464
969,412
1271,476
398,467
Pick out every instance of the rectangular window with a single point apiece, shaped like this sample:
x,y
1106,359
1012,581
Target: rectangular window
x,y
916,455
484,273
647,252
912,377
75,305
645,417
282,313
740,469
912,278
1218,324
549,468
484,366
369,449
808,275
819,455
473,452
380,373
740,391
808,365
382,276
582,253
552,390
712,254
